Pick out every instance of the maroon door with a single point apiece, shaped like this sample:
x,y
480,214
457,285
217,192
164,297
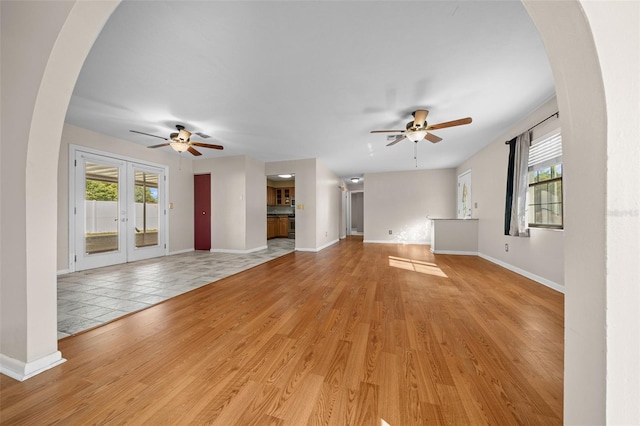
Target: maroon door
x,y
202,212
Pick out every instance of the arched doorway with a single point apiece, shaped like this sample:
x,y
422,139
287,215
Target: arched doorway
x,y
565,27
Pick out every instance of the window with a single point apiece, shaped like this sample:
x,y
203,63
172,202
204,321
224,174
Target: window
x,y
544,199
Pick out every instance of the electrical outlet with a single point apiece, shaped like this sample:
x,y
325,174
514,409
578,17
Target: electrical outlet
x,y
506,247
390,232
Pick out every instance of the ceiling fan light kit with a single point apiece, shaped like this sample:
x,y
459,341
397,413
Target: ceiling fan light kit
x,y
179,146
416,135
419,129
180,141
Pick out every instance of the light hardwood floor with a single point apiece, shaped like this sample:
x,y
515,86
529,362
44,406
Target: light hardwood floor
x,y
355,334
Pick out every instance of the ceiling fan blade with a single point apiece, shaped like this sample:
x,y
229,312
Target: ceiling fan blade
x,y
419,117
387,131
450,123
159,146
398,139
207,145
432,138
193,151
148,134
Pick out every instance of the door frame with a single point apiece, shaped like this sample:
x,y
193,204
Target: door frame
x,y
164,204
463,178
348,206
78,228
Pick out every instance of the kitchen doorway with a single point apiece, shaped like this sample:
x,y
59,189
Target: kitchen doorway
x,y
281,206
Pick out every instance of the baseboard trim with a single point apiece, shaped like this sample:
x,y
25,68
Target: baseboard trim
x,y
420,243
548,283
315,250
63,272
239,251
456,252
22,371
181,251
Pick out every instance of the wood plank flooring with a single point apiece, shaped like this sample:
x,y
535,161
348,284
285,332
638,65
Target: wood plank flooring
x,y
357,334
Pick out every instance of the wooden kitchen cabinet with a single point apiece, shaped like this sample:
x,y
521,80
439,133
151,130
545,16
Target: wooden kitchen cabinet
x,y
283,227
272,227
277,227
284,196
271,196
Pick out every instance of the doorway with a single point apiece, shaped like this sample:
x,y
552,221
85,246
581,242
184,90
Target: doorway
x,y
355,219
117,212
464,195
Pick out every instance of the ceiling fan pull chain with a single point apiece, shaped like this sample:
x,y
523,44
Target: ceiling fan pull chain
x,y
415,153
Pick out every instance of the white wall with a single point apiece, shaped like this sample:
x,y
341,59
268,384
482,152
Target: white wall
x,y
594,48
344,199
541,255
238,207
180,188
256,189
401,202
47,43
327,206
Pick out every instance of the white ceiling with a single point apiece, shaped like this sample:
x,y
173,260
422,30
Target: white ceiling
x,y
291,80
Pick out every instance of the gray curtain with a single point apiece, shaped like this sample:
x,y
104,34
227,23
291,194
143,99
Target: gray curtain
x,y
518,225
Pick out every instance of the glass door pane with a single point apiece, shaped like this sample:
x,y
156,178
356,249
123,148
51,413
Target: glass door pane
x,y
146,216
100,211
119,211
146,227
101,207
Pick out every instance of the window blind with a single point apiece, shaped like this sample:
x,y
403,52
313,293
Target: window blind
x,y
546,150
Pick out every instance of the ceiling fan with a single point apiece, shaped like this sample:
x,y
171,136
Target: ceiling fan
x,y
180,141
418,129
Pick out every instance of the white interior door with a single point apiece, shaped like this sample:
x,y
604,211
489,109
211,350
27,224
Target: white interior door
x,y
119,212
100,211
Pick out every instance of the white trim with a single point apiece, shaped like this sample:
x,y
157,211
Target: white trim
x,y
534,277
315,250
181,251
459,213
238,251
22,371
73,150
63,271
330,243
419,242
462,253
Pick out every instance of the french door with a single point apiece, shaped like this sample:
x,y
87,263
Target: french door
x,y
118,211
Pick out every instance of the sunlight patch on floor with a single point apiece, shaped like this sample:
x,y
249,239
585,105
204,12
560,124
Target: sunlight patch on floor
x,y
416,266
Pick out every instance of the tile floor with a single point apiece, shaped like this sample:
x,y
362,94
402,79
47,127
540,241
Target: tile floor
x,y
90,298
